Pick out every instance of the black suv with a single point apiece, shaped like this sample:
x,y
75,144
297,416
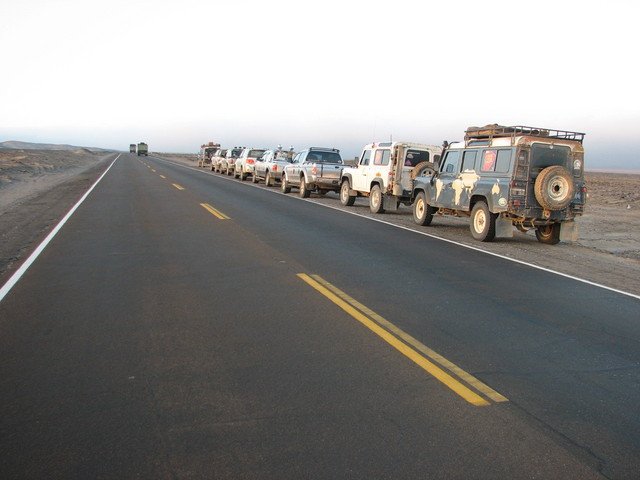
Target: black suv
x,y
527,177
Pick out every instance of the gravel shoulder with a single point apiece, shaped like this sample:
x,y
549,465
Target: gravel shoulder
x,y
37,188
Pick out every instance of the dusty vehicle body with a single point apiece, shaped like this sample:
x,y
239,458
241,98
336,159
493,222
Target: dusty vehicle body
x,y
132,148
270,165
245,163
385,173
143,149
216,158
314,169
206,153
226,163
501,177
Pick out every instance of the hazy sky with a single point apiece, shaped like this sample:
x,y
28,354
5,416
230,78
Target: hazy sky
x,y
330,73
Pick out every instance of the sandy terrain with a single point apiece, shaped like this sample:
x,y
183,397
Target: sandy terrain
x,y
38,187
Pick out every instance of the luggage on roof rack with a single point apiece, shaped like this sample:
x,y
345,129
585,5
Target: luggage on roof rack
x,y
495,130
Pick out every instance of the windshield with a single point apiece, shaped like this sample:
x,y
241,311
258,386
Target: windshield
x,y
324,157
256,153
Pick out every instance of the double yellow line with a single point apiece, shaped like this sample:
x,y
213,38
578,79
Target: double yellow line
x,y
422,355
214,211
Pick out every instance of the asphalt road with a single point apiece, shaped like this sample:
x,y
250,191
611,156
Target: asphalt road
x,y
185,325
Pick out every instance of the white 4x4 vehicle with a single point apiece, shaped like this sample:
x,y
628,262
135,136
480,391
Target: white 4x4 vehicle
x,y
385,173
245,163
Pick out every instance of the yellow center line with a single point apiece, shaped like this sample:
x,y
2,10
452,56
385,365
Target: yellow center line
x,y
432,354
162,176
178,186
214,211
466,393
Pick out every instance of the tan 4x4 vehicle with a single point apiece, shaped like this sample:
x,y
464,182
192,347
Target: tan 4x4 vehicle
x,y
501,177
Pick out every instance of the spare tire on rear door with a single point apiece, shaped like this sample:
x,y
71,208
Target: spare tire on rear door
x,y
554,188
423,169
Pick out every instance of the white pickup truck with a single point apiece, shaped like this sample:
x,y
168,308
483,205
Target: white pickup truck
x,y
314,169
385,173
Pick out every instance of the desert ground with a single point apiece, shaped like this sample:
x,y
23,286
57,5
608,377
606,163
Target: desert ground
x,y
38,187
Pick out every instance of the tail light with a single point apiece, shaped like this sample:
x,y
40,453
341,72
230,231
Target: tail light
x,y
314,170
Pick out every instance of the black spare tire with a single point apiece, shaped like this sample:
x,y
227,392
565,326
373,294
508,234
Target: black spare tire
x,y
554,188
423,169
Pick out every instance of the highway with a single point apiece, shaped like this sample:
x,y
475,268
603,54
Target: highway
x,y
182,324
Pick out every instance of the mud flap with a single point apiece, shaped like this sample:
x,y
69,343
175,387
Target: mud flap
x,y
569,232
389,202
504,227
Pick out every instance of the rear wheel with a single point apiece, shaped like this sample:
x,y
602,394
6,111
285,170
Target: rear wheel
x,y
268,181
284,185
483,222
549,234
375,200
422,212
346,199
304,189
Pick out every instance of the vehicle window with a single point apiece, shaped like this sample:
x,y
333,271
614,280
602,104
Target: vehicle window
x,y
503,162
489,160
366,156
382,157
328,157
469,160
414,157
255,153
543,155
450,164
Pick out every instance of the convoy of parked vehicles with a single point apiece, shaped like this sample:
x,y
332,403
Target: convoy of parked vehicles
x,y
500,176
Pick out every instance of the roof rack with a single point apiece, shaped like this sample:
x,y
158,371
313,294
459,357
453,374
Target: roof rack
x,y
496,131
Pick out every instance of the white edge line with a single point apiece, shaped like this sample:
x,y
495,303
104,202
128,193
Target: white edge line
x,y
32,258
470,247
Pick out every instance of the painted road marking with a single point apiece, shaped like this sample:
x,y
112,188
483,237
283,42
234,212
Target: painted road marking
x,y
214,211
32,258
432,354
162,176
397,338
178,186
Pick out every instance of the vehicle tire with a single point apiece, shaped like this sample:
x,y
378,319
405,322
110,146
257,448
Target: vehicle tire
x,y
284,185
422,211
254,178
554,188
375,200
548,234
268,181
483,222
346,199
304,189
423,169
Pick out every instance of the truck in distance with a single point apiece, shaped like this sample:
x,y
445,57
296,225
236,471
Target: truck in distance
x,y
206,153
132,148
143,149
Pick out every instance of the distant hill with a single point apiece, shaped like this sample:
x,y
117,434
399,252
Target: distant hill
x,y
15,145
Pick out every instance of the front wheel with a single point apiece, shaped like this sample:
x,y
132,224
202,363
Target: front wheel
x,y
422,212
549,234
483,222
346,199
268,181
375,200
